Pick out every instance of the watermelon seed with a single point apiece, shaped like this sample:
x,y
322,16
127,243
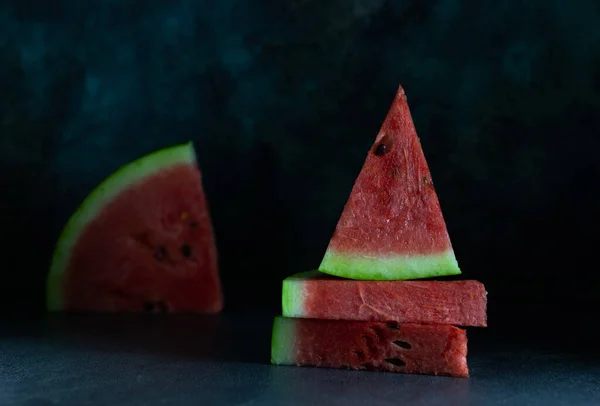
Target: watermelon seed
x,y
186,250
160,253
149,307
194,224
395,361
393,324
380,150
403,344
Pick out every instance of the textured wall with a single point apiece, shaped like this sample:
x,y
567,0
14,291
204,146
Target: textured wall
x,y
282,101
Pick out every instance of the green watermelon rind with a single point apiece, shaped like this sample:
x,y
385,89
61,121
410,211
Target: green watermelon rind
x,y
391,267
292,296
102,195
282,341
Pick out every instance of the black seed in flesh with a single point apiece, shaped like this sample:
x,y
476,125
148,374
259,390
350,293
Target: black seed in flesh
x,y
403,344
395,361
393,324
149,307
194,224
186,250
380,150
160,253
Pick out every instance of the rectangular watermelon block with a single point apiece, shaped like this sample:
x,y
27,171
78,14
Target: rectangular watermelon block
x,y
320,296
370,345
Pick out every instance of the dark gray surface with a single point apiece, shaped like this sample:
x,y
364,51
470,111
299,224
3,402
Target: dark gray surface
x,y
185,360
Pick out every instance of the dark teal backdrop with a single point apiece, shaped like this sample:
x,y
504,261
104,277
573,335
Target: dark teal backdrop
x,y
282,100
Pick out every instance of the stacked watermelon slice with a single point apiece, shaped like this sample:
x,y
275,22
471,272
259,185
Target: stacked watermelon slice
x,y
368,306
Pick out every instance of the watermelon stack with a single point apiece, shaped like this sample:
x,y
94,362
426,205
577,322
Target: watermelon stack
x,y
373,304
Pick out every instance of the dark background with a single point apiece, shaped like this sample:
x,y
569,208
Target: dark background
x,y
282,100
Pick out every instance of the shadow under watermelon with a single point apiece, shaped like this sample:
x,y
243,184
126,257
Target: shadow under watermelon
x,y
225,338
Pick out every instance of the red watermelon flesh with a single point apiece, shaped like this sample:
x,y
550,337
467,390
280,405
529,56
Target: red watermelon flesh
x,y
369,345
149,247
392,225
320,296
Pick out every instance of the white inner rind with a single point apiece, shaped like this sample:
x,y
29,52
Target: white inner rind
x,y
392,267
283,341
103,194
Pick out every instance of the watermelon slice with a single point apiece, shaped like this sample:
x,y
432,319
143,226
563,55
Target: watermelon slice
x,y
141,241
392,227
320,296
368,345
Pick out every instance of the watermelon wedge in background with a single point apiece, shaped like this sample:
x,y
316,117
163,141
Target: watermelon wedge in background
x,y
392,227
368,345
142,241
321,296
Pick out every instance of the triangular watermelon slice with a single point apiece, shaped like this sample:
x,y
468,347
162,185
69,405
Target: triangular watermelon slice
x,y
392,227
142,241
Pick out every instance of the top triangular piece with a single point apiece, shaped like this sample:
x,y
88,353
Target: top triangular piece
x,y
392,227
